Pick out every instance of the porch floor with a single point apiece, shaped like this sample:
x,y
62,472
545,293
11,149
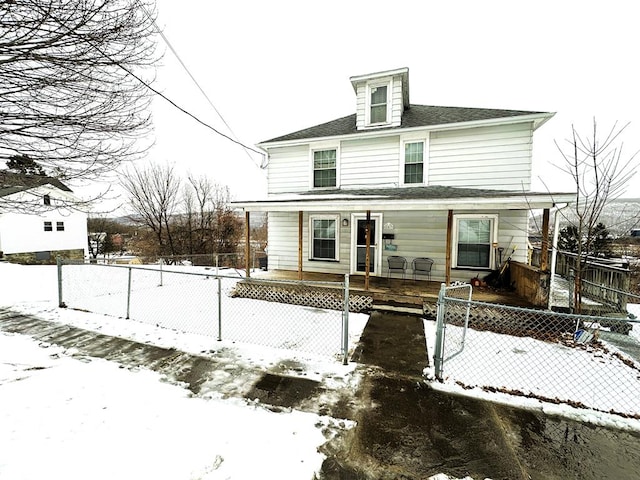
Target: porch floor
x,y
398,291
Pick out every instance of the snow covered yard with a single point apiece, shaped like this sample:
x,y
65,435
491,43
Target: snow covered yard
x,y
69,416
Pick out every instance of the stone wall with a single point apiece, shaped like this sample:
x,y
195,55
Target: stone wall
x,y
37,258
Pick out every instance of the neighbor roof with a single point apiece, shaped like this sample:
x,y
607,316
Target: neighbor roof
x,y
11,182
414,116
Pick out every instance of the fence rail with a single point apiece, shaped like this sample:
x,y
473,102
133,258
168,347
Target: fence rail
x,y
201,300
584,361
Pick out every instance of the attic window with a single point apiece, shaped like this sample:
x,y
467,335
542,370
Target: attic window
x,y
378,104
47,200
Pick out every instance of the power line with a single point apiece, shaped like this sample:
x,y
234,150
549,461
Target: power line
x,y
204,94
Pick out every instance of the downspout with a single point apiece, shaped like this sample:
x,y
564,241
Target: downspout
x,y
554,251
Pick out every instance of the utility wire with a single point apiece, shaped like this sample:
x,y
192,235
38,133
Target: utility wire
x,y
204,94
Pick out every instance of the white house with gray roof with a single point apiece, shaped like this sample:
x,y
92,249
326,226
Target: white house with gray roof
x,y
39,220
447,183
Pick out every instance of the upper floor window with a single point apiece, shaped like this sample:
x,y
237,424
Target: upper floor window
x,y
324,168
324,237
47,200
474,238
48,227
378,105
414,162
60,226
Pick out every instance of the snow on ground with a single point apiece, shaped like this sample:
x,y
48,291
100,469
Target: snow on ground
x,y
69,417
78,418
557,371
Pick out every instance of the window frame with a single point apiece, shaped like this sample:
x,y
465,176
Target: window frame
x,y
368,105
494,218
321,147
48,226
46,199
421,138
312,219
59,226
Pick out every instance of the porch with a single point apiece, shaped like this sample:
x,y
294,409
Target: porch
x,y
397,294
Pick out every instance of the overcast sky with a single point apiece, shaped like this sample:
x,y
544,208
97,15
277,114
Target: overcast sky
x,y
274,67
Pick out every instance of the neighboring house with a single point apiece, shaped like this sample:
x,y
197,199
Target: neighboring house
x,y
37,223
447,183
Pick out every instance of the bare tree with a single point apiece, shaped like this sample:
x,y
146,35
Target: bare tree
x,y
71,98
154,198
600,174
192,217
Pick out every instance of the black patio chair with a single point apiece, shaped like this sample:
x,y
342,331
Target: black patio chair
x,y
422,266
396,264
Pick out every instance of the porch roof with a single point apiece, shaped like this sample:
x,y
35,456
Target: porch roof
x,y
432,197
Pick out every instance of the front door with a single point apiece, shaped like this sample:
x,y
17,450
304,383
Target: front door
x,y
359,243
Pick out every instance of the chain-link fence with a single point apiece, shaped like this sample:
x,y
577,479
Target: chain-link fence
x,y
200,300
585,361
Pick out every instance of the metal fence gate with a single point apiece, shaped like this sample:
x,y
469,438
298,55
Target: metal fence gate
x,y
590,362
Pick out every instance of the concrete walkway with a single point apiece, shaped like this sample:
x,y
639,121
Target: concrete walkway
x,y
410,431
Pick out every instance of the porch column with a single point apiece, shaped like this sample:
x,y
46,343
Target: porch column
x,y
247,244
367,254
447,274
300,216
544,254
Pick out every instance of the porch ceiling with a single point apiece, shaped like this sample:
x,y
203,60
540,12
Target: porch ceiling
x,y
412,198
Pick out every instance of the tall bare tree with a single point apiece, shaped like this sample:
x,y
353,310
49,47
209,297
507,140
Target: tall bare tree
x,y
192,217
600,172
71,98
154,195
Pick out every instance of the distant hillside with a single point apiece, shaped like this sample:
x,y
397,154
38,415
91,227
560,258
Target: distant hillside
x,y
619,216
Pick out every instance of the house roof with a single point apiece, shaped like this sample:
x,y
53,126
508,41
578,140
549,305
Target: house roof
x,y
413,117
433,197
11,182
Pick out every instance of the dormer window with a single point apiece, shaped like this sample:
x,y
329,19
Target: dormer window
x,y
378,104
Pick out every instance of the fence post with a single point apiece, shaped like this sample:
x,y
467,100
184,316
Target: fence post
x,y
572,286
219,309
161,262
439,346
129,293
217,264
345,322
59,264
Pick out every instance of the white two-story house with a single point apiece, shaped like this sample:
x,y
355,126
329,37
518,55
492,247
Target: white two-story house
x,y
39,220
448,183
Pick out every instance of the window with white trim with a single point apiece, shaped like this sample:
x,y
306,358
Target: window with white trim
x,y
324,237
324,168
46,200
48,227
414,162
474,236
60,226
378,104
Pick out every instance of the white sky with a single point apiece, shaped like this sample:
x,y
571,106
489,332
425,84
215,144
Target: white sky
x,y
272,68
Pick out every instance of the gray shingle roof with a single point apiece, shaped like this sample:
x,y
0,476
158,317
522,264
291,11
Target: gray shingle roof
x,y
414,116
11,182
432,192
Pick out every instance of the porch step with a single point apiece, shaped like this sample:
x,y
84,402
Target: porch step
x,y
408,309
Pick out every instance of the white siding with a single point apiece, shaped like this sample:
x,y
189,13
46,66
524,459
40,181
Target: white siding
x,y
485,157
289,169
417,234
23,233
396,102
283,245
369,163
